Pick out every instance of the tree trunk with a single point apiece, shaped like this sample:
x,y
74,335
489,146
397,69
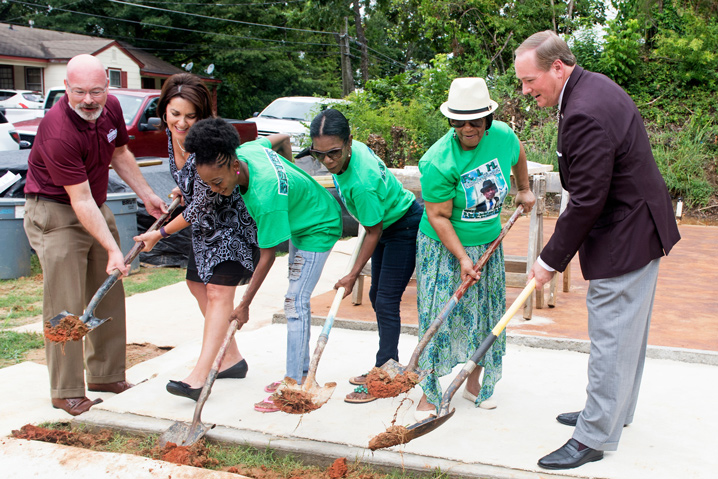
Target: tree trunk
x,y
362,42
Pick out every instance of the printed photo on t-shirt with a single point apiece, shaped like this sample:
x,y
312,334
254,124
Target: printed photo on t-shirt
x,y
485,189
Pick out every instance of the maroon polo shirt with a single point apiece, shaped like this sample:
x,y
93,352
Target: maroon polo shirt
x,y
69,150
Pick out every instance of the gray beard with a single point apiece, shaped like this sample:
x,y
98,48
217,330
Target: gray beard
x,y
87,116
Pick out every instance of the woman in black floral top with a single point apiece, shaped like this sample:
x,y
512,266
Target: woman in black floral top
x,y
224,236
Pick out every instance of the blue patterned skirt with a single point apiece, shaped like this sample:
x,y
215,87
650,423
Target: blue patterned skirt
x,y
438,276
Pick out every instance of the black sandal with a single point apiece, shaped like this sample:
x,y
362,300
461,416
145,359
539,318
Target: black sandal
x,y
178,388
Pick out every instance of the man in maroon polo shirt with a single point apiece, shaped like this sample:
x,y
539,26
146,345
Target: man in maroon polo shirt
x,y
74,232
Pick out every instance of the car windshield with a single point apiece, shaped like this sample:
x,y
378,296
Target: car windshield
x,y
32,96
130,106
291,110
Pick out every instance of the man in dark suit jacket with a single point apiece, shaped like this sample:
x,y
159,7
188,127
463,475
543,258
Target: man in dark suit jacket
x,y
620,220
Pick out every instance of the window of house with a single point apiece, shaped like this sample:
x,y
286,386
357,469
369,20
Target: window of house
x,y
6,80
33,78
115,78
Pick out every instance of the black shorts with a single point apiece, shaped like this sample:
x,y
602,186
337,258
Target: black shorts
x,y
226,273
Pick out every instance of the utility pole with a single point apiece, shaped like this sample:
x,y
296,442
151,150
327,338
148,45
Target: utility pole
x,y
347,76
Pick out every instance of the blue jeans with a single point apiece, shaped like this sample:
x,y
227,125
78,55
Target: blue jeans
x,y
305,268
392,264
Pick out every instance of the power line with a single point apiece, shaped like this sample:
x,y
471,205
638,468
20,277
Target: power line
x,y
222,19
238,4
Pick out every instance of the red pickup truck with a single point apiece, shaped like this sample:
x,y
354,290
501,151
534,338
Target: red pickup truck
x,y
138,107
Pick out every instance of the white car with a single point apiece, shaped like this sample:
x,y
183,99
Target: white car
x,y
21,99
291,115
9,139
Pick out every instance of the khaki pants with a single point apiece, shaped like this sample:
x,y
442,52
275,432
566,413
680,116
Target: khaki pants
x,y
73,266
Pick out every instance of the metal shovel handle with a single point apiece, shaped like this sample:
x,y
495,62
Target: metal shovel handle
x,y
459,293
129,258
329,321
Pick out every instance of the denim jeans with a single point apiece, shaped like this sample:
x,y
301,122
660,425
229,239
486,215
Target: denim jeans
x,y
305,268
392,265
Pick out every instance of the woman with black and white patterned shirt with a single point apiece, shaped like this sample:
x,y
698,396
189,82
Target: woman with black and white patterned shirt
x,y
224,236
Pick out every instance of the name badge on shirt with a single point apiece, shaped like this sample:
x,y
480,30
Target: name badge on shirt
x,y
112,135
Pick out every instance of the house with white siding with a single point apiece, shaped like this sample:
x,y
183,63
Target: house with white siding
x,y
36,59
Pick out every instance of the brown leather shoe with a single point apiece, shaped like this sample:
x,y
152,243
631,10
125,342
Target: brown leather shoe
x,y
116,387
74,406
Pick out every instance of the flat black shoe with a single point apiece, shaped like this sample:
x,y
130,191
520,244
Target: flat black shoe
x,y
568,418
568,456
178,388
238,371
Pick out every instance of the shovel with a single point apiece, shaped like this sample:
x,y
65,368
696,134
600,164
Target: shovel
x,y
310,390
400,435
88,317
392,367
186,434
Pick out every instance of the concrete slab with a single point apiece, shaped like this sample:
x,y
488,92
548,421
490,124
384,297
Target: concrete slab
x,y
537,385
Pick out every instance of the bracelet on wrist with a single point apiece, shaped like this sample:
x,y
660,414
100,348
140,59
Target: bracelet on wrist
x,y
164,233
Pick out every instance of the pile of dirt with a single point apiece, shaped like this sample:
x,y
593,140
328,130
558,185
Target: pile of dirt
x,y
294,401
86,440
380,384
196,455
70,328
337,470
391,437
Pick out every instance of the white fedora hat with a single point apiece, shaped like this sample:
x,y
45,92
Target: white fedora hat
x,y
468,100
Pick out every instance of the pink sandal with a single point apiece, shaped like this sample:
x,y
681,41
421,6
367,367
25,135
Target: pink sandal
x,y
266,406
272,388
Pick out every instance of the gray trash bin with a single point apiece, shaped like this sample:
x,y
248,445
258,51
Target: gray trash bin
x,y
124,207
15,249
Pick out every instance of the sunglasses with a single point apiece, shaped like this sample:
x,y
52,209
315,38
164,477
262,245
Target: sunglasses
x,y
335,153
479,123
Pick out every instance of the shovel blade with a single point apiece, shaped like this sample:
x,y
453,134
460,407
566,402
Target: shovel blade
x,y
92,321
394,369
318,395
184,433
427,425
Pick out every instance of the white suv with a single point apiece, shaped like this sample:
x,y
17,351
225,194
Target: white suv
x,y
291,115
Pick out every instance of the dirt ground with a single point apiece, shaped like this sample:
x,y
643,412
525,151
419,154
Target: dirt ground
x,y
197,455
136,353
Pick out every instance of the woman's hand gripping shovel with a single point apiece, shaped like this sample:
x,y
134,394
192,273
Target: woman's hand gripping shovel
x,y
400,434
392,378
299,399
72,328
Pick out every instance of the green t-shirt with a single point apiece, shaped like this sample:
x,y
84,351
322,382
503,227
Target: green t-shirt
x,y
370,192
450,173
286,202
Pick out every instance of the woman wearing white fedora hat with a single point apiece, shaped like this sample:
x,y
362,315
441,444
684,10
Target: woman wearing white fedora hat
x,y
455,230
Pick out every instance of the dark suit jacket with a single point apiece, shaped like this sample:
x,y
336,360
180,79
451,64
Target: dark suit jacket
x,y
619,216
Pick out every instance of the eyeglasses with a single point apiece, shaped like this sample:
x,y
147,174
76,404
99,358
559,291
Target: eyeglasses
x,y
335,153
93,93
478,123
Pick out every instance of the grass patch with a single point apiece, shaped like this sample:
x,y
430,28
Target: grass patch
x,y
21,298
13,346
268,463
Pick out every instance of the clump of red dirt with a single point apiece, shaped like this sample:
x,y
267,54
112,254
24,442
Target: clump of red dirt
x,y
196,455
391,437
380,384
338,469
67,438
294,401
70,328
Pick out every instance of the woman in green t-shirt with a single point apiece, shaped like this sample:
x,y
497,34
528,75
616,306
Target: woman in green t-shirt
x,y
390,215
287,204
465,179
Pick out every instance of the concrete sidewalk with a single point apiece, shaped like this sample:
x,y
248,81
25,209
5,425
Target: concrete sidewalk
x,y
672,436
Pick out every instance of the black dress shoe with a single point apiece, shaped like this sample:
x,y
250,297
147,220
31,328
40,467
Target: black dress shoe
x,y
571,418
238,371
568,456
178,388
568,418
